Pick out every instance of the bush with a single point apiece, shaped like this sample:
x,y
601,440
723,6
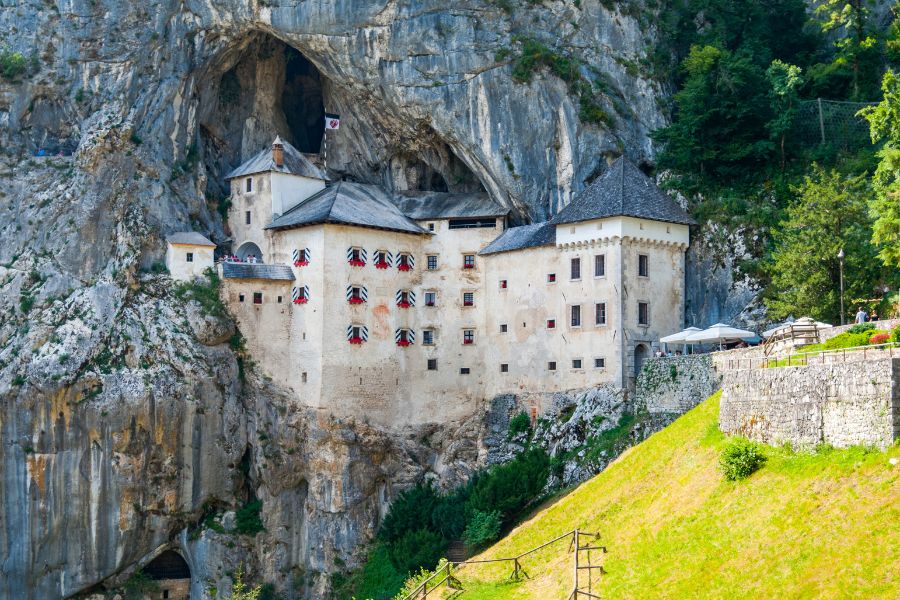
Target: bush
x,y
247,518
520,423
483,528
204,293
847,340
139,585
880,338
416,579
740,459
419,548
411,510
511,487
12,64
861,327
895,334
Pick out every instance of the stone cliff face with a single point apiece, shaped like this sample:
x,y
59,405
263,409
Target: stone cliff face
x,y
124,412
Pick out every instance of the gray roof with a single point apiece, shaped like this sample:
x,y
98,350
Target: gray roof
x,y
234,270
191,238
521,237
623,191
294,164
349,204
443,205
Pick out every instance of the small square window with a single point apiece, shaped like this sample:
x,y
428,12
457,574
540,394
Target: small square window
x,y
430,298
576,315
428,337
599,265
503,284
643,265
576,269
643,313
464,371
504,367
431,227
190,257
576,363
551,366
247,217
279,299
432,364
240,297
468,261
504,328
599,363
257,297
468,337
468,298
551,277
432,262
551,323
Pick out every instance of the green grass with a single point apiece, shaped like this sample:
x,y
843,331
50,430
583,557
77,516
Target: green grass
x,y
822,524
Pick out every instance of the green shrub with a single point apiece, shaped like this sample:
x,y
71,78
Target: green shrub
x,y
895,334
416,579
139,585
511,487
411,510
520,423
861,327
12,64
415,549
483,528
740,459
849,340
247,518
205,293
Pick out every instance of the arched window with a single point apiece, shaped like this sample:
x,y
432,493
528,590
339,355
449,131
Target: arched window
x,y
249,252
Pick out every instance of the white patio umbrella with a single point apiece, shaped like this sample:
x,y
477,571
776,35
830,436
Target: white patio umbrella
x,y
679,338
719,333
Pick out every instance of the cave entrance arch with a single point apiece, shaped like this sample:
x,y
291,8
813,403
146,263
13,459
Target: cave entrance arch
x,y
248,249
172,576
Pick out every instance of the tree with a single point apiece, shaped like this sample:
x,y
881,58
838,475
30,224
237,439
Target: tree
x,y
784,79
856,46
828,214
240,590
884,125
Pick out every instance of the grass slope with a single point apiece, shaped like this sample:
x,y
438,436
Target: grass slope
x,y
823,525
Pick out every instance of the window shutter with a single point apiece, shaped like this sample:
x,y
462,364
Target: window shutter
x,y
412,298
412,262
363,255
296,255
349,331
411,336
350,253
390,259
295,294
397,335
364,293
349,292
365,333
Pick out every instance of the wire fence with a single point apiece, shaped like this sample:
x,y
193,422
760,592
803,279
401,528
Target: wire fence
x,y
831,122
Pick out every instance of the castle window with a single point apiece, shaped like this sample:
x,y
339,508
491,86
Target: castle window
x,y
300,295
576,363
165,594
504,328
240,297
599,265
551,323
599,363
503,284
382,259
405,262
279,299
249,184
576,315
432,262
464,371
430,298
257,297
468,337
356,257
303,377
432,364
551,277
600,313
357,334
551,366
301,257
468,261
357,294
189,257
643,313
468,298
643,265
504,367
431,227
247,217
428,337
405,298
576,269
404,337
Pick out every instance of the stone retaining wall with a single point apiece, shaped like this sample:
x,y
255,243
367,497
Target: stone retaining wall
x,y
675,385
838,404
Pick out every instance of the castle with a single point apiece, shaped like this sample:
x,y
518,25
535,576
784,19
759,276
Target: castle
x,y
415,306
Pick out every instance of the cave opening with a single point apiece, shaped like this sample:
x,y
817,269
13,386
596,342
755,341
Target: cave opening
x,y
302,102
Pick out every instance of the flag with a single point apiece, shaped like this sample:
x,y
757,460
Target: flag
x,y
332,121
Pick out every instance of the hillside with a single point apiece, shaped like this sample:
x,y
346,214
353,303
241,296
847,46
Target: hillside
x,y
805,525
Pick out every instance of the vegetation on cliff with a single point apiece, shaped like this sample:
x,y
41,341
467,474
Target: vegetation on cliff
x,y
675,527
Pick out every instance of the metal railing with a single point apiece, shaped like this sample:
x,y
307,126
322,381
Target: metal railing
x,y
804,359
444,574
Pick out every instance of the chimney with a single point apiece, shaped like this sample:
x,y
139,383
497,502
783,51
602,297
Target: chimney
x,y
278,152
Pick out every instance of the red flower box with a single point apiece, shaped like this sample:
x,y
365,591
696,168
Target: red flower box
x,y
301,263
468,266
356,340
301,300
357,263
404,343
467,342
405,267
356,301
403,304
381,265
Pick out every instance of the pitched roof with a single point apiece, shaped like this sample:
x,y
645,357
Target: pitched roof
x,y
523,236
623,190
294,164
443,205
191,238
350,204
234,270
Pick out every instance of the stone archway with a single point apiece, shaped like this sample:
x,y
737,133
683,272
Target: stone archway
x,y
172,576
248,249
641,352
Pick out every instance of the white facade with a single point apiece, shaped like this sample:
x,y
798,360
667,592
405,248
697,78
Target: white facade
x,y
187,259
